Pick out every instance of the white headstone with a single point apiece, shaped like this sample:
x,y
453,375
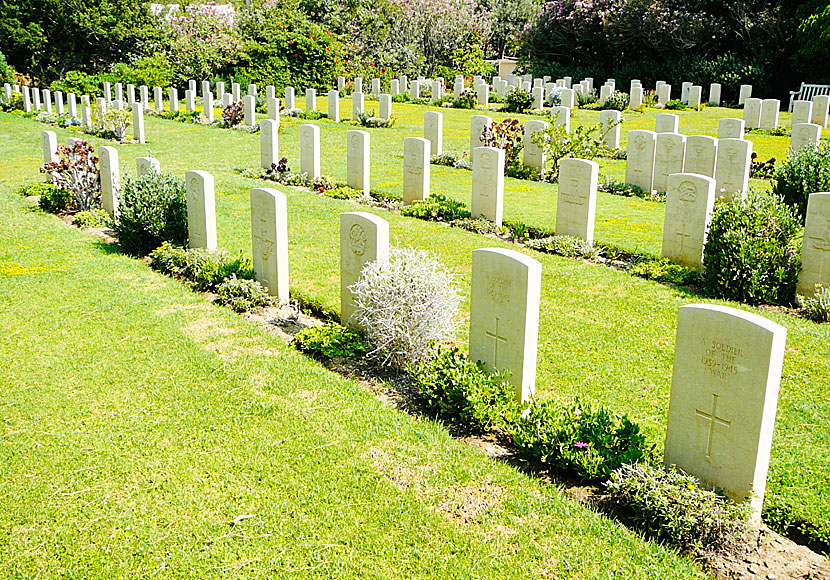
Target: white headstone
x,y
205,88
190,101
138,122
341,84
364,238
752,113
49,140
668,158
36,99
639,166
269,240
358,84
724,396
664,94
745,93
310,99
732,168
191,85
173,97
72,102
802,112
249,107
533,155
158,97
483,95
667,123
770,109
220,91
416,157
561,116
538,97
310,150
207,106
270,92
334,106
119,92
58,103
611,122
385,106
805,135
731,128
605,93
357,160
488,184
236,92
701,155
357,105
131,94
821,108
144,94
107,91
635,100
685,91
110,178
252,90
568,98
815,250
145,165
415,90
436,93
577,200
695,97
394,87
269,144
27,100
689,202
289,98
201,209
273,105
714,94
47,101
477,125
434,131
504,315
86,115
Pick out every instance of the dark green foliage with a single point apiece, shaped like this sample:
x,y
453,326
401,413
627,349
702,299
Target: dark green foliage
x,y
517,101
79,83
7,71
242,294
206,269
401,98
804,172
578,440
436,207
676,105
54,200
761,169
16,103
152,210
568,246
753,251
665,271
673,506
331,340
461,391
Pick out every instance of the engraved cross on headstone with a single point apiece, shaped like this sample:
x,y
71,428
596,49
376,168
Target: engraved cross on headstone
x,y
496,340
713,419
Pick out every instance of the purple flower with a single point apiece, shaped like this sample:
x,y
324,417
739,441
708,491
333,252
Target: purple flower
x,y
581,445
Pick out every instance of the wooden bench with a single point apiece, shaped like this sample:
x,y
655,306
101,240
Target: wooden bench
x,y
807,92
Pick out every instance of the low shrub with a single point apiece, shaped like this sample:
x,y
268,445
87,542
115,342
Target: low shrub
x,y
629,190
675,507
16,103
36,188
113,124
583,142
76,171
341,191
312,115
761,169
436,208
330,340
448,159
152,210
54,200
242,294
405,305
676,105
817,307
461,391
369,120
665,271
804,172
578,440
568,246
400,98
517,101
96,218
507,135
477,225
206,269
618,101
233,115
466,100
753,251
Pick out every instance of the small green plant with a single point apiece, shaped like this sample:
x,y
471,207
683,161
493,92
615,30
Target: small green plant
x,y
16,103
578,440
330,340
313,115
206,269
618,101
466,100
369,120
242,294
96,218
583,142
817,307
675,507
665,271
461,391
753,252
436,208
54,200
477,225
37,188
517,100
629,190
341,191
152,209
676,105
568,246
401,98
804,172
449,159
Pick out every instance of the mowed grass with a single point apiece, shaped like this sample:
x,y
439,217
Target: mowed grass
x,y
147,433
603,335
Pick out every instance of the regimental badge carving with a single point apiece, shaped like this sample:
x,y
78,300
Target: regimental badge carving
x,y
357,239
688,191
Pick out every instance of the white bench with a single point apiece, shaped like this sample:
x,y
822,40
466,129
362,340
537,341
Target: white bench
x,y
807,92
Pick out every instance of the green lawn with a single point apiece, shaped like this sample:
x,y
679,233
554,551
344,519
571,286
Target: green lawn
x,y
603,334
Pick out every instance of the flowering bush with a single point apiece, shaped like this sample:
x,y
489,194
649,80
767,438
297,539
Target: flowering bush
x,y
233,114
508,136
77,173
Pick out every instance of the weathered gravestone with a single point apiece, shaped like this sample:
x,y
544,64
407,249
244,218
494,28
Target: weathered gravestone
x,y
802,112
110,178
201,209
334,106
415,169
310,150
138,122
805,135
732,167
752,113
146,165
815,251
434,131
269,240
639,165
724,396
670,149
577,200
357,160
667,123
364,238
504,315
488,184
701,155
731,129
533,155
49,141
477,125
821,109
611,122
269,144
689,202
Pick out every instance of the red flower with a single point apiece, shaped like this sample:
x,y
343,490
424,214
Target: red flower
x,y
295,54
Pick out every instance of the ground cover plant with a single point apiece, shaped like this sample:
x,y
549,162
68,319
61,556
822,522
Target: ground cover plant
x,y
573,329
